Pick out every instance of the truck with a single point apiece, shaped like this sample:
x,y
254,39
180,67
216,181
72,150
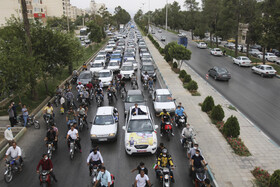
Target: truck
x,y
183,40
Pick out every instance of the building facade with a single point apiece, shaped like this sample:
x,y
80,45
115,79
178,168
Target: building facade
x,y
94,7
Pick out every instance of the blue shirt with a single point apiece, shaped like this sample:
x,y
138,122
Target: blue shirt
x,y
24,112
179,112
105,178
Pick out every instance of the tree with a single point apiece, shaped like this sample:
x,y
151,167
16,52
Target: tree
x,y
217,113
231,127
61,23
192,7
180,53
167,55
121,16
207,104
95,32
275,179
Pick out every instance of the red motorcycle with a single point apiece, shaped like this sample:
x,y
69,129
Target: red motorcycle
x,y
167,130
45,178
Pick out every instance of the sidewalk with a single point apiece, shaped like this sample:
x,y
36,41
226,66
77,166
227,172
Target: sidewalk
x,y
228,168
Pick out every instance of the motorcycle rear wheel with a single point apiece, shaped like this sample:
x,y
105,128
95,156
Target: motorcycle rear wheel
x,y
36,125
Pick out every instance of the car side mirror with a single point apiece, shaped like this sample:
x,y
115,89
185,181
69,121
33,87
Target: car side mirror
x,y
123,127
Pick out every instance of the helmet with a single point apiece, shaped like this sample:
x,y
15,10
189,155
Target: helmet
x,y
80,83
164,151
164,110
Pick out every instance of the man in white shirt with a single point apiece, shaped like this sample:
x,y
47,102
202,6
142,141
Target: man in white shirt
x,y
8,134
15,152
142,179
73,135
94,159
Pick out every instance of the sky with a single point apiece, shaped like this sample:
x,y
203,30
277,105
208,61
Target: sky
x,y
129,5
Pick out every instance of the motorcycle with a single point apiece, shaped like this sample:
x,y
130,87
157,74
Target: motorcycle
x,y
73,148
165,177
74,79
134,85
45,178
10,170
145,84
167,130
98,100
81,122
181,122
110,97
56,99
200,176
30,121
123,93
51,149
150,89
188,143
94,173
48,120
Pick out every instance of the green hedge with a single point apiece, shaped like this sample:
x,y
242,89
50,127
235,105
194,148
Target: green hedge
x,y
207,104
231,127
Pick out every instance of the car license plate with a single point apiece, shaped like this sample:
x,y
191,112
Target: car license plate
x,y
102,139
224,75
271,72
141,151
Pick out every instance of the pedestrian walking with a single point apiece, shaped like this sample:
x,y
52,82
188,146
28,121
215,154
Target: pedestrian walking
x,y
11,115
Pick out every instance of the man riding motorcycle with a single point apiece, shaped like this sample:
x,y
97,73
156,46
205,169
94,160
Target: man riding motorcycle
x,y
187,134
70,117
112,90
48,110
94,159
82,113
165,160
180,112
145,76
47,165
51,136
15,152
73,135
99,92
151,83
197,161
165,117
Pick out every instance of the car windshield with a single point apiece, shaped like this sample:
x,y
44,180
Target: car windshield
x,y
108,47
163,98
104,74
113,64
96,65
148,68
127,68
144,125
269,68
135,99
99,58
104,120
217,50
222,70
102,53
114,56
85,76
245,58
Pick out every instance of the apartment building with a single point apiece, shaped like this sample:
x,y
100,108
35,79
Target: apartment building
x,y
38,9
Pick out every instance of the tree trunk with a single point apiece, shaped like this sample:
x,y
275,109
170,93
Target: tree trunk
x,y
217,43
70,68
263,50
46,85
211,39
192,34
181,63
247,51
237,29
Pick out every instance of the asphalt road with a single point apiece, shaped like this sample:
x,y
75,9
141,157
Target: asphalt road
x,y
256,97
75,172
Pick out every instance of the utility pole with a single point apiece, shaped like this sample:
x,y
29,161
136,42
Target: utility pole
x,y
166,14
149,18
26,26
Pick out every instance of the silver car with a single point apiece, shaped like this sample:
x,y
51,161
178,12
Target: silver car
x,y
132,97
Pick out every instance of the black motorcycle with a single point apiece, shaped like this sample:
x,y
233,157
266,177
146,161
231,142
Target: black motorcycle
x,y
181,121
30,121
48,120
11,169
110,97
200,176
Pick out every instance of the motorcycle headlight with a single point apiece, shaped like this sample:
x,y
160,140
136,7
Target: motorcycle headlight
x,y
166,176
181,120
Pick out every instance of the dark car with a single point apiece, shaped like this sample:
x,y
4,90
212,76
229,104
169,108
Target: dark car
x,y
132,97
85,77
150,69
276,52
219,73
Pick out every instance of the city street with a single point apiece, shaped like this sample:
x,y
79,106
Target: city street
x,y
75,172
256,97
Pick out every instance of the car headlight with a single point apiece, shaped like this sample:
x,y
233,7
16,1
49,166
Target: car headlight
x,y
112,134
93,135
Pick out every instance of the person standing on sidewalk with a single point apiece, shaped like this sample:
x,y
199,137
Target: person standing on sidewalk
x,y
14,107
11,116
24,114
8,134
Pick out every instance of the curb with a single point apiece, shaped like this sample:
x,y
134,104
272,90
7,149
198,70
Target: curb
x,y
17,137
210,174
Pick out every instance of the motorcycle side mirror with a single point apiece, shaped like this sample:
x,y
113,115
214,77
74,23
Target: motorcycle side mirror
x,y
123,127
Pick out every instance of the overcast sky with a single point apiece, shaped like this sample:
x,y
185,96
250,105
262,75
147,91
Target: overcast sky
x,y
130,5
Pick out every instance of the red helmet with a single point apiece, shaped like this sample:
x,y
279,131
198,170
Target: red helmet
x,y
80,83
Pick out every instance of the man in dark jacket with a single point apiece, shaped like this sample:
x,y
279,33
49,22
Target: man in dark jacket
x,y
46,164
137,111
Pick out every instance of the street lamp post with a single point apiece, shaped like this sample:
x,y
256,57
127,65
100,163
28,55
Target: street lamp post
x,y
149,18
166,14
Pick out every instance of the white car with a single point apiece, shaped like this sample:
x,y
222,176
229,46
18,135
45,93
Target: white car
x,y
254,52
102,53
105,124
202,45
114,66
278,61
95,67
127,70
216,52
264,70
163,38
159,31
140,132
106,76
162,99
271,57
135,64
109,49
242,61
99,58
